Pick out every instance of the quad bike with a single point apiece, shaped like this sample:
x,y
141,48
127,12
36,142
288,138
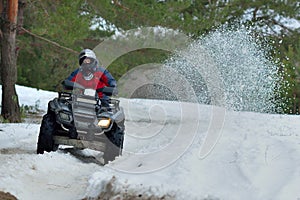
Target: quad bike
x,y
80,120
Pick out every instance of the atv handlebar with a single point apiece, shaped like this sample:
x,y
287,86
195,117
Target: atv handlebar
x,y
69,85
109,91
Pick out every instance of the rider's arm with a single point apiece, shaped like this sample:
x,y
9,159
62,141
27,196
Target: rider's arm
x,y
111,81
106,80
71,78
73,75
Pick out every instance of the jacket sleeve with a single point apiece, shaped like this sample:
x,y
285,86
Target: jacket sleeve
x,y
73,75
108,79
72,78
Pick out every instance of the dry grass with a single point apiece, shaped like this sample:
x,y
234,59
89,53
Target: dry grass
x,y
7,196
112,193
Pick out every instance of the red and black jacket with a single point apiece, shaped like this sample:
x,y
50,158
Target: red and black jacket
x,y
102,78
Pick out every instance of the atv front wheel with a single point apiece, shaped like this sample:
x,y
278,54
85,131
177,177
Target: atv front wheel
x,y
47,130
114,144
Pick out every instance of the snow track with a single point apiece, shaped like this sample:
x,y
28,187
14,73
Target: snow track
x,y
256,157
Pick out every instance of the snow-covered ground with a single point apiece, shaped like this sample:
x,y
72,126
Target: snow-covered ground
x,y
251,156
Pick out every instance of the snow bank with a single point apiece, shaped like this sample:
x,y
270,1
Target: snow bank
x,y
256,156
32,97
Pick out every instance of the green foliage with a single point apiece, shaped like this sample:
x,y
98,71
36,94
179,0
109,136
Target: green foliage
x,y
2,120
40,63
132,14
291,59
133,59
59,21
43,65
44,69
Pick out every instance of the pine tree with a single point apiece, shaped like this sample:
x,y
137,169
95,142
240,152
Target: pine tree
x,y
10,109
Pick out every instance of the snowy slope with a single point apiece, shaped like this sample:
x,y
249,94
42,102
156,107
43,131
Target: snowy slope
x,y
256,156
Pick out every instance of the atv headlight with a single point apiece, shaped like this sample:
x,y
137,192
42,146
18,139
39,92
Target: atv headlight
x,y
65,116
104,123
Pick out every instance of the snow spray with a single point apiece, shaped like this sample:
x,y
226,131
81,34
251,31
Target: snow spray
x,y
249,79
227,69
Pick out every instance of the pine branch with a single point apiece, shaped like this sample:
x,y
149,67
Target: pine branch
x,y
49,41
117,3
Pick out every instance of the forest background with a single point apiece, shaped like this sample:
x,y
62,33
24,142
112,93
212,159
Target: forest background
x,y
53,32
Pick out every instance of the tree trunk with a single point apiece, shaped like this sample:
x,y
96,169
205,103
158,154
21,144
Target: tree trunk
x,y
20,21
10,109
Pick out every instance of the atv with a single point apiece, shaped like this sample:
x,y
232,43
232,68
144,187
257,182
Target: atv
x,y
79,119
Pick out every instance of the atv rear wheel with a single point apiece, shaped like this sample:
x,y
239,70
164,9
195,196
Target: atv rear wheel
x,y
114,144
47,130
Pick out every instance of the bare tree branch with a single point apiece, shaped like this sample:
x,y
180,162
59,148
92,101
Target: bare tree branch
x,y
255,13
281,25
117,3
49,41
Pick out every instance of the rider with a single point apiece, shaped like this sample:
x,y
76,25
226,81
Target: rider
x,y
91,75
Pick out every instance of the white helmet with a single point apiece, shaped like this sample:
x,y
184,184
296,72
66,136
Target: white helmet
x,y
86,53
88,63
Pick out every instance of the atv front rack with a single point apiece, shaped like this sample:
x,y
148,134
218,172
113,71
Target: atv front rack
x,y
81,144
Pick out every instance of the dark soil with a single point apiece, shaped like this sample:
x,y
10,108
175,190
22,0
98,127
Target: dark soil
x,y
7,196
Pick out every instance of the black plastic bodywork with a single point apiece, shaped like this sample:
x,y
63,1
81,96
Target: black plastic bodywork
x,y
77,115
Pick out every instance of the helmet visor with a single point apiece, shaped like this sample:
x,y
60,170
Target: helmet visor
x,y
88,65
